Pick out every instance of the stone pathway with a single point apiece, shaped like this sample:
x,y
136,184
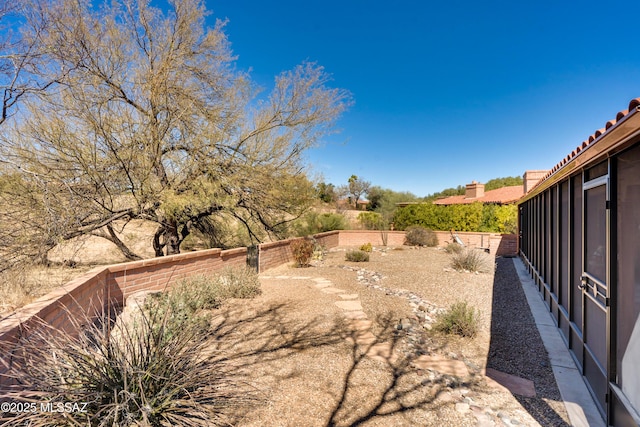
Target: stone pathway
x,y
434,364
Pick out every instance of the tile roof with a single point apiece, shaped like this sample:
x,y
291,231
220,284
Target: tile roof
x,y
502,195
633,104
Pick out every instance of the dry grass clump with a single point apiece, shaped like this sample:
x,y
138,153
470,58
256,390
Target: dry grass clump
x,y
472,260
460,319
23,284
453,248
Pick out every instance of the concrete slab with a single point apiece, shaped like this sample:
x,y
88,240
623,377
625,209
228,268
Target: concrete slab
x,y
516,385
580,406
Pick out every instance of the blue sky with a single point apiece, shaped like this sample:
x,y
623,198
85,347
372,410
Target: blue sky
x,y
448,92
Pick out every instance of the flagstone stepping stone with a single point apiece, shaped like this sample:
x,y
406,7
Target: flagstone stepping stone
x,y
349,296
382,352
443,365
360,324
513,384
349,305
331,290
323,285
355,314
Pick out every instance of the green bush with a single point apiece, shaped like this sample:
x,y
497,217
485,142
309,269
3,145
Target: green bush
x,y
371,220
357,256
366,247
302,251
459,319
420,236
468,217
474,260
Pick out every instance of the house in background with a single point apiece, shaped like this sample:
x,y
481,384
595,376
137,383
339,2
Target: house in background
x,y
579,235
475,192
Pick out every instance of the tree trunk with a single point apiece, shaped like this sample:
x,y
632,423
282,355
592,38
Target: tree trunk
x,y
172,238
128,253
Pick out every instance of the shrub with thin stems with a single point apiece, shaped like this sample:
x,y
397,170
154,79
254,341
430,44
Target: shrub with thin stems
x,y
473,260
127,373
460,319
420,236
357,256
302,251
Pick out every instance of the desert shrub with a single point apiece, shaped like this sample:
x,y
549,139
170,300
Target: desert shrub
x,y
460,319
473,260
238,282
371,220
127,373
367,247
420,236
302,250
453,248
356,256
189,299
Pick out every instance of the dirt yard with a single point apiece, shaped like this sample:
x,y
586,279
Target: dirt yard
x,y
346,344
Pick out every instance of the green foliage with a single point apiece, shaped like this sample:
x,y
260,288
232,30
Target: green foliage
x,y
460,319
420,236
314,223
508,181
383,200
326,192
467,217
474,260
448,192
302,250
372,221
367,247
356,256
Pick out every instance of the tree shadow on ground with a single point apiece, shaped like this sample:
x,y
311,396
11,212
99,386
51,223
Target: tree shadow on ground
x,y
377,379
516,347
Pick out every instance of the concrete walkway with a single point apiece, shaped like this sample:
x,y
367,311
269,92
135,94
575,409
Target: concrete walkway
x,y
580,406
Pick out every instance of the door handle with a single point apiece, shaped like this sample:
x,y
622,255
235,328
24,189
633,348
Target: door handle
x,y
583,283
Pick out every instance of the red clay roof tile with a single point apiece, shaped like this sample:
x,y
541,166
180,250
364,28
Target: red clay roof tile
x,y
633,104
502,195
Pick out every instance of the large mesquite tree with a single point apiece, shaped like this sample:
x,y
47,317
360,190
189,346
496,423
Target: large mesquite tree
x,y
150,120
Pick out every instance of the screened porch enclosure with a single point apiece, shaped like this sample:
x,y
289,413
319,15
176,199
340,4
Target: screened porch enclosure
x,y
580,239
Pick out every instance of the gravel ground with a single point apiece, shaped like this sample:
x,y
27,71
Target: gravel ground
x,y
310,367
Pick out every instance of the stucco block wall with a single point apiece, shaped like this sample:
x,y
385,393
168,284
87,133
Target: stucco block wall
x,y
106,287
358,238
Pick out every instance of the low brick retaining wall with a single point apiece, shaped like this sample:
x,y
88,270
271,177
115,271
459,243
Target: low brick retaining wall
x,y
104,288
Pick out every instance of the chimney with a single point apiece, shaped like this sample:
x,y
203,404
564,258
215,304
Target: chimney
x,y
531,178
474,190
